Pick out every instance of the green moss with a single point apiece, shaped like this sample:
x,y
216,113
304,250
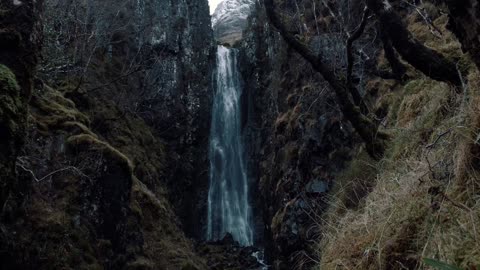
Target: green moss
x,y
124,141
11,104
88,143
52,111
13,117
140,264
189,266
8,82
76,128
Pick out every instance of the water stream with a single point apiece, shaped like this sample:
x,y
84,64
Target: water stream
x,y
228,203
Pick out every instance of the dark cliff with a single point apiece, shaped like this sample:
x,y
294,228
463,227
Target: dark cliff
x,y
298,141
154,59
105,111
117,125
315,181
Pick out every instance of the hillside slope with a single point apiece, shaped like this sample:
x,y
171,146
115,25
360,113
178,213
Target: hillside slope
x,y
327,204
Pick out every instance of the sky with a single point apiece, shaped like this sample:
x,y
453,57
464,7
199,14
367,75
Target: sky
x,y
213,5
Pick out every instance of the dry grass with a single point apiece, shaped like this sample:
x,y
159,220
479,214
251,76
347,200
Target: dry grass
x,y
404,218
423,199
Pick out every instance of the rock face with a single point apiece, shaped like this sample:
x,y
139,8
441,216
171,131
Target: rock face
x,y
118,125
230,19
226,254
155,59
20,36
298,140
20,41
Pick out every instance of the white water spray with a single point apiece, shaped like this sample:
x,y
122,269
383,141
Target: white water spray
x,y
228,206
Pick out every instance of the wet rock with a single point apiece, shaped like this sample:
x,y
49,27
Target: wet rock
x,y
297,141
228,240
227,254
316,186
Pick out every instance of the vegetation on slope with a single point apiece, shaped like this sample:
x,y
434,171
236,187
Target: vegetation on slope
x,y
422,198
87,203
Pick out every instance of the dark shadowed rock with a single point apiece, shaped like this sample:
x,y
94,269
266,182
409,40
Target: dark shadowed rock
x,y
227,254
465,24
297,141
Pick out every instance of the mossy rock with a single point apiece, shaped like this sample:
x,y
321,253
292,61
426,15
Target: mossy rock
x,y
8,82
11,104
85,142
140,264
53,112
189,266
13,118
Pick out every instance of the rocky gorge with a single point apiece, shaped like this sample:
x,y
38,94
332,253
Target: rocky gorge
x,y
149,134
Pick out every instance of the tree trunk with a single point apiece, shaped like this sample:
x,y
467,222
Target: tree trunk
x,y
398,69
357,98
426,60
367,129
465,24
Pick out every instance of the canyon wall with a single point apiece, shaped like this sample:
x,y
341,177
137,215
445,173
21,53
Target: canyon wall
x,y
154,59
297,138
310,168
113,173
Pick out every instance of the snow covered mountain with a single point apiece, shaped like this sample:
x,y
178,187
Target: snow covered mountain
x,y
230,18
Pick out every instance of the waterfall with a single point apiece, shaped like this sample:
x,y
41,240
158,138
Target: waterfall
x,y
228,206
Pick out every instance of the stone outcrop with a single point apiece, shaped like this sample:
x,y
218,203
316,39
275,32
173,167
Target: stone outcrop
x,y
230,19
118,124
226,254
154,59
298,140
20,41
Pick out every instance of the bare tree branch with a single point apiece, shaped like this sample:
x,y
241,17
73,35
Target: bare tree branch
x,y
357,98
398,69
367,129
23,165
426,60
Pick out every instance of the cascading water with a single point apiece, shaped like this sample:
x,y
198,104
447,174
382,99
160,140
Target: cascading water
x,y
228,206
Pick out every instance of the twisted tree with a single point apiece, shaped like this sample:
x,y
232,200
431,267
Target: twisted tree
x,y
464,22
424,59
365,127
395,36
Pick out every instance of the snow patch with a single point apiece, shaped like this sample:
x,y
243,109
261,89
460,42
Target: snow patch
x,y
230,19
232,9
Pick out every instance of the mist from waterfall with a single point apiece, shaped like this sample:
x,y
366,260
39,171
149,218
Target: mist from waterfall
x,y
228,202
